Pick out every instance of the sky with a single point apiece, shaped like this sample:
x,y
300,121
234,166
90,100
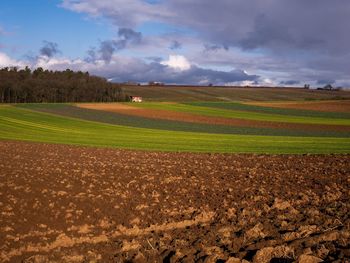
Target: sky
x,y
223,42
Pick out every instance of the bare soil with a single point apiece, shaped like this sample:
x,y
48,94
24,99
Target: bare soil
x,y
63,203
194,118
326,106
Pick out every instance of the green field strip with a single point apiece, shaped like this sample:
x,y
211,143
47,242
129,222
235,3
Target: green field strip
x,y
142,122
37,125
235,114
49,128
271,110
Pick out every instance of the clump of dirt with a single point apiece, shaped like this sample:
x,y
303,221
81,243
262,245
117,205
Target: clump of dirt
x,y
79,204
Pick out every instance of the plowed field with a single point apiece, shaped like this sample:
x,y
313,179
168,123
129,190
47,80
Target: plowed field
x,y
196,118
63,203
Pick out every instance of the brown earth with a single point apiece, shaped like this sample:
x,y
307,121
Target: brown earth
x,y
193,118
326,106
63,203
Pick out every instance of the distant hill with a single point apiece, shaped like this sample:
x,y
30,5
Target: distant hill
x,y
197,93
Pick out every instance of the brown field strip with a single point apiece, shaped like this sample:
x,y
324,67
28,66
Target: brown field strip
x,y
326,106
193,118
61,203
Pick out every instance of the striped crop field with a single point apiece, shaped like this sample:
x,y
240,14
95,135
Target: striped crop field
x,y
188,127
251,94
246,114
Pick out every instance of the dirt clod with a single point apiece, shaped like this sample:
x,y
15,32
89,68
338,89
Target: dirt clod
x,y
82,204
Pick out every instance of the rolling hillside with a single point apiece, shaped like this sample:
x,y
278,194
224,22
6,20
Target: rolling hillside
x,y
195,93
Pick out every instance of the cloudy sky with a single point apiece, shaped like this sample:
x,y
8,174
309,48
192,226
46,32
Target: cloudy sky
x,y
226,42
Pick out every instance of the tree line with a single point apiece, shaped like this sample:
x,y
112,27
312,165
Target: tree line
x,y
39,85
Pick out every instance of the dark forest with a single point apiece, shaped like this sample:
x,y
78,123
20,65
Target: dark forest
x,y
40,86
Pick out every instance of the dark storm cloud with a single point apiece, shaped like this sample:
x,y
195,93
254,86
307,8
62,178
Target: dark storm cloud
x,y
126,36
49,49
310,36
298,24
290,82
320,25
92,55
214,47
129,35
154,59
325,81
107,49
175,45
195,75
266,32
250,24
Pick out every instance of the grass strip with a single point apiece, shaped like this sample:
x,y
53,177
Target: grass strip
x,y
271,110
22,124
150,123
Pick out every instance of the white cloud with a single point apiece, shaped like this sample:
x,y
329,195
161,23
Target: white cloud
x,y
177,62
124,13
242,83
268,82
6,61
